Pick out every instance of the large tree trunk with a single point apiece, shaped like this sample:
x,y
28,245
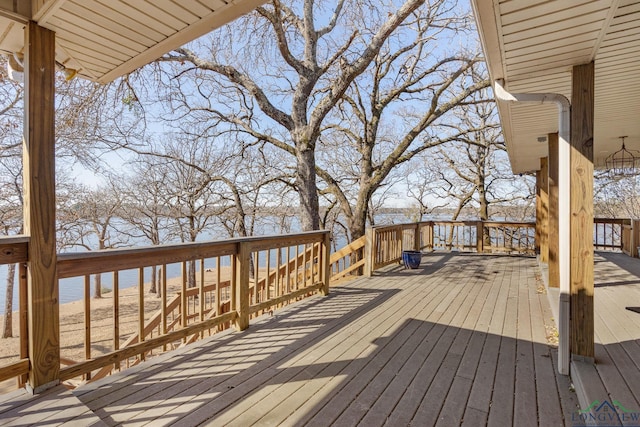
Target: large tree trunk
x,y
358,223
8,302
97,286
191,274
307,190
484,211
154,280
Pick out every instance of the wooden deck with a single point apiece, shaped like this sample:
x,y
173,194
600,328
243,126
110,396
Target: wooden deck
x,y
460,341
616,373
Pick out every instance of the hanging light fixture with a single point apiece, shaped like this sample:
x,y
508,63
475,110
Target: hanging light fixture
x,y
623,162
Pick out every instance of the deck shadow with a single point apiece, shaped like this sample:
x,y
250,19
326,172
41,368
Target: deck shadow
x,y
422,373
342,360
280,337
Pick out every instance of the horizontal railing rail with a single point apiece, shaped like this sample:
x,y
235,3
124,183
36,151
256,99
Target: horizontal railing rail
x,y
348,261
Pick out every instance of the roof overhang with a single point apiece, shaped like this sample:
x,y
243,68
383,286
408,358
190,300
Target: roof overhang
x,y
105,39
533,45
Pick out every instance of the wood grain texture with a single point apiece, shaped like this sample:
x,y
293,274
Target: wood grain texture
x,y
582,115
79,264
39,206
242,268
13,249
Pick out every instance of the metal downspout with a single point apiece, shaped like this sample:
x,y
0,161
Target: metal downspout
x,y
564,205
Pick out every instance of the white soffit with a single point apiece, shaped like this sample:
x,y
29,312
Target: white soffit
x,y
533,45
105,39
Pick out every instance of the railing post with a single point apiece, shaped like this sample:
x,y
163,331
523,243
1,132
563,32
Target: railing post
x,y
417,241
430,236
325,254
242,264
369,252
480,236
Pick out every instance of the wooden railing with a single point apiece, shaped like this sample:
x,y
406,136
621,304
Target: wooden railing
x,y
348,261
609,234
231,282
388,242
13,250
631,238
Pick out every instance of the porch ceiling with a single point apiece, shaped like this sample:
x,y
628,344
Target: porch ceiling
x,y
533,45
105,39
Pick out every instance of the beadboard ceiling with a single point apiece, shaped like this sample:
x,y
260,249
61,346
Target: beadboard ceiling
x,y
533,45
104,39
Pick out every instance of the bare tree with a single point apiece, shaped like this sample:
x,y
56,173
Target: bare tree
x,y
474,170
11,201
398,108
617,196
145,205
306,59
90,219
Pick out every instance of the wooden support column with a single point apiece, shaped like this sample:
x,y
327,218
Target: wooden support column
x,y
581,182
538,229
39,207
542,209
417,238
553,223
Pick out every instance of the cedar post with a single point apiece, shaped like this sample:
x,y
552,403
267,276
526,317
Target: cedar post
x,y
241,285
417,241
369,252
39,208
553,227
544,206
582,314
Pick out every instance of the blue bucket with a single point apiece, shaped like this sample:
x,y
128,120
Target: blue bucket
x,y
411,259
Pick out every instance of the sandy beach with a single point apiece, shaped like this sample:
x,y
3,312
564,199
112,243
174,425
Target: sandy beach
x,y
72,330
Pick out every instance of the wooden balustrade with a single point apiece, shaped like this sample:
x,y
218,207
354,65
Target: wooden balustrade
x,y
13,250
230,282
388,242
609,234
348,261
222,283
